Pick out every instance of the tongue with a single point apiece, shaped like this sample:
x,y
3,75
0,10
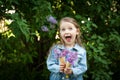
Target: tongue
x,y
68,39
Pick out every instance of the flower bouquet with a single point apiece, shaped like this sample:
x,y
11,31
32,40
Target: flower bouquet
x,y
62,56
72,56
66,57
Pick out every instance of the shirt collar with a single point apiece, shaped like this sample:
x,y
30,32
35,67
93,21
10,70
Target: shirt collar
x,y
75,48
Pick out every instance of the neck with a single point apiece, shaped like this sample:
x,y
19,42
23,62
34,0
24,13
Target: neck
x,y
69,45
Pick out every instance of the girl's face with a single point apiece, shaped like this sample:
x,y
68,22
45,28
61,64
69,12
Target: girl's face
x,y
68,33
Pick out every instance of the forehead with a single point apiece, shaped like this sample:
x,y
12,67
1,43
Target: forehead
x,y
66,24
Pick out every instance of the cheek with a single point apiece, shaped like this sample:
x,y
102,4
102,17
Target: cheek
x,y
61,33
62,36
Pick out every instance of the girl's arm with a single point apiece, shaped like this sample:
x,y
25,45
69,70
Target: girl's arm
x,y
81,66
52,62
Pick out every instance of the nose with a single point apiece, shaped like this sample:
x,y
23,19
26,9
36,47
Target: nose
x,y
67,31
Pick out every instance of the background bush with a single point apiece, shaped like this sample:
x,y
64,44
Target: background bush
x,y
24,45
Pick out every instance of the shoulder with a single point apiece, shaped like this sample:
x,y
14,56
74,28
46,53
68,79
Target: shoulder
x,y
80,49
56,46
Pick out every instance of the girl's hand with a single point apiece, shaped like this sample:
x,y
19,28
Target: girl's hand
x,y
62,67
68,71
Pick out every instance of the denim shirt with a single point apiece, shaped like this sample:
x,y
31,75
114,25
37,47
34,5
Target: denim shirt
x,y
79,67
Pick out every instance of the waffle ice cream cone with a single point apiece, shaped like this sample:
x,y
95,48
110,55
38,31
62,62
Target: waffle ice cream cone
x,y
68,64
62,60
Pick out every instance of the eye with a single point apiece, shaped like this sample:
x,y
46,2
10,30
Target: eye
x,y
63,29
70,28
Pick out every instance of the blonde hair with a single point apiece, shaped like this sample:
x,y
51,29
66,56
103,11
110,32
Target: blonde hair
x,y
74,22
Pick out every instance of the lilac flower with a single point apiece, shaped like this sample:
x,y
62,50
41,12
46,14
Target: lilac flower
x,y
60,53
44,28
72,56
64,52
52,20
57,52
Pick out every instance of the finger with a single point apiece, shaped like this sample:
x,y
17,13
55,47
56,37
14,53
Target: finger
x,y
65,71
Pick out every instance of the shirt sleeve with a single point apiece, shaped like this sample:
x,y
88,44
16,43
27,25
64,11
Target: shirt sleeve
x,y
81,65
52,62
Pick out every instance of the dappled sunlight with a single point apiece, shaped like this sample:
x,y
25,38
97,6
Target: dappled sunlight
x,y
4,28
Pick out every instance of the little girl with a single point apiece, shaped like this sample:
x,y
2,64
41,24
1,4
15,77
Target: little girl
x,y
67,59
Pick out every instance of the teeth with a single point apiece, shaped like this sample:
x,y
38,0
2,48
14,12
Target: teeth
x,y
67,35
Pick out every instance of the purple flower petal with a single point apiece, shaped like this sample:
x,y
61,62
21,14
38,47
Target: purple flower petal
x,y
64,52
57,52
44,28
52,20
72,56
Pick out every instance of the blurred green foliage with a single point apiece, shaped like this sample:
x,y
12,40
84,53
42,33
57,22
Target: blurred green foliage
x,y
24,46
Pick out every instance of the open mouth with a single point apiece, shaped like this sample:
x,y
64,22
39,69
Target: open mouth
x,y
68,37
